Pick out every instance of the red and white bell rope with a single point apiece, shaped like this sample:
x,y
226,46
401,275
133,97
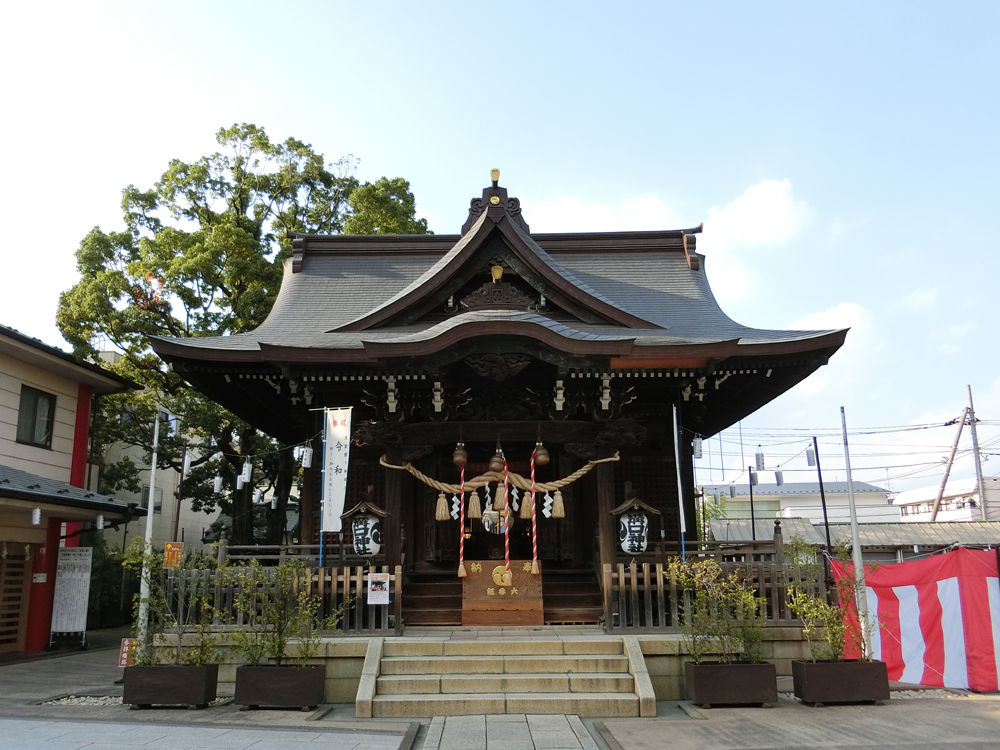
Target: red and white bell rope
x,y
506,525
461,524
534,522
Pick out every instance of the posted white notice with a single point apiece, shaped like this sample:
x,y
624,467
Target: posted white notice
x,y
337,449
72,595
378,588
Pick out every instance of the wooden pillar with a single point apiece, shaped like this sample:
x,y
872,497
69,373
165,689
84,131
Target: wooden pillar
x,y
687,481
308,505
394,507
607,537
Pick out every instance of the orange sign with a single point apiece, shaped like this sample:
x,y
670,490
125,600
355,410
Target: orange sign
x,y
172,554
126,655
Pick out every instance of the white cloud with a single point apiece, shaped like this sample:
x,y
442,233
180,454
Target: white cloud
x,y
950,350
564,214
961,330
766,215
847,367
921,297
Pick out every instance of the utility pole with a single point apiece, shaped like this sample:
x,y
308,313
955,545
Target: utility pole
x,y
826,518
947,466
975,452
147,547
861,596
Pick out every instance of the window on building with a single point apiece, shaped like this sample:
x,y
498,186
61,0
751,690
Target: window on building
x,y
35,417
158,498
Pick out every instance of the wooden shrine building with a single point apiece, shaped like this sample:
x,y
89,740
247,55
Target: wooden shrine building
x,y
584,342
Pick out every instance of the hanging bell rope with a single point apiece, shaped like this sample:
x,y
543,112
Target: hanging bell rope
x,y
493,476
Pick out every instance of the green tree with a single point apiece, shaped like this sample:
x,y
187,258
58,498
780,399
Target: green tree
x,y
384,207
201,254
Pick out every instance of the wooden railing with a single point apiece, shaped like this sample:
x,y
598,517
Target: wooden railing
x,y
336,587
335,552
639,598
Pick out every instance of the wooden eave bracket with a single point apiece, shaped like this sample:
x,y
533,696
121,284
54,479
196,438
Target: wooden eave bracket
x,y
690,241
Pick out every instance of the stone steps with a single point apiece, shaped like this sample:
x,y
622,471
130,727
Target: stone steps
x,y
593,682
488,664
464,704
429,677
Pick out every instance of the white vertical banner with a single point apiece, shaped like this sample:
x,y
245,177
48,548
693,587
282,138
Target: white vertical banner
x,y
336,452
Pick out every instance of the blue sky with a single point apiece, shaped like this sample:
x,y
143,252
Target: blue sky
x,y
843,156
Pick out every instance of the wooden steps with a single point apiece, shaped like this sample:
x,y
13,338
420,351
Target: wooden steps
x,y
422,678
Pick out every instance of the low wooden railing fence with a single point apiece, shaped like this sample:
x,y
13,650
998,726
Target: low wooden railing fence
x,y
336,587
639,598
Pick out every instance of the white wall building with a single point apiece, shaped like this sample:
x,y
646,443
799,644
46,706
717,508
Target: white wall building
x,y
802,500
960,501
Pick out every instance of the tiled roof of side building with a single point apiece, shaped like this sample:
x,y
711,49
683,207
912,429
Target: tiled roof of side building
x,y
23,485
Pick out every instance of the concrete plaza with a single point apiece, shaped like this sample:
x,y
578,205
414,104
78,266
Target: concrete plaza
x,y
961,722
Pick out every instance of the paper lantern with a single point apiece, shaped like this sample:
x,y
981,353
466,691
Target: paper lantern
x,y
367,532
633,532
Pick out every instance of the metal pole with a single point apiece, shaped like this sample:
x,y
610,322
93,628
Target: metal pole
x,y
947,467
975,452
861,596
148,546
680,486
753,520
826,519
180,496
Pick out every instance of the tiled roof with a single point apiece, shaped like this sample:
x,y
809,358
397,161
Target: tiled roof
x,y
793,488
23,485
942,534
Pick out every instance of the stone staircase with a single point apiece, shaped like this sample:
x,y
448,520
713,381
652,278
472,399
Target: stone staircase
x,y
423,678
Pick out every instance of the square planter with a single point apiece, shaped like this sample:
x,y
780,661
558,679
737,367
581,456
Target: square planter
x,y
291,686
848,681
171,684
737,684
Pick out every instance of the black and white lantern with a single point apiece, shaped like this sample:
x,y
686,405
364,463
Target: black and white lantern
x,y
367,533
633,522
633,532
365,519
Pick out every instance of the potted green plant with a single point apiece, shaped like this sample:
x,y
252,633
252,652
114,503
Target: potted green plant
x,y
828,677
177,659
724,629
279,633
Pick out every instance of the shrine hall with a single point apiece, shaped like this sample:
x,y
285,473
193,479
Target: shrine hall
x,y
480,365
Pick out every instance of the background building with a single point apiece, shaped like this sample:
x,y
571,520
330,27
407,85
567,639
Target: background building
x,y
45,405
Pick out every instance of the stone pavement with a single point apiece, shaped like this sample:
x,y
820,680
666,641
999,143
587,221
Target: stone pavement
x,y
508,732
39,734
957,723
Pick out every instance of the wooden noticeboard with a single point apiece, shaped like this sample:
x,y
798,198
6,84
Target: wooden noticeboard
x,y
486,601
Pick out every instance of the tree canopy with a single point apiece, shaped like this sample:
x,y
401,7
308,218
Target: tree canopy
x,y
201,254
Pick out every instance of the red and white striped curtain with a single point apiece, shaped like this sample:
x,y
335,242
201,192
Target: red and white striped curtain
x,y
938,619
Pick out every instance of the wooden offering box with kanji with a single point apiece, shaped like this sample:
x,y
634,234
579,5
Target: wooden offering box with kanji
x,y
486,601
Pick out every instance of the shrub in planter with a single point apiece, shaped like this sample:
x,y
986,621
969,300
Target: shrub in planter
x,y
280,631
177,661
828,678
722,617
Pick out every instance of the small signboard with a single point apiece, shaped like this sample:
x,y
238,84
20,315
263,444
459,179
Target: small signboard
x,y
378,588
126,654
72,594
172,553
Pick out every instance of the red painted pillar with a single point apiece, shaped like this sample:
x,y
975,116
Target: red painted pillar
x,y
43,585
81,446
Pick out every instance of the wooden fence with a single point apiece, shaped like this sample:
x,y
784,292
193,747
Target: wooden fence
x,y
639,598
336,587
336,552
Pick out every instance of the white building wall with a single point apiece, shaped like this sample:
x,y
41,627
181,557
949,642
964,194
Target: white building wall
x,y
51,463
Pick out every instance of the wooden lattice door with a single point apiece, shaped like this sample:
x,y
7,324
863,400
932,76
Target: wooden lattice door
x,y
15,573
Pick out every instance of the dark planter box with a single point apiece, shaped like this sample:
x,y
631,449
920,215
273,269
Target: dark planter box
x,y
739,684
171,684
292,686
848,681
